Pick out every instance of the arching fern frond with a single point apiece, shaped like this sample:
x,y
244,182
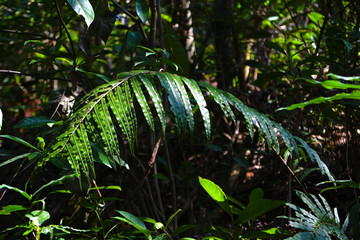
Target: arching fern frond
x,y
93,128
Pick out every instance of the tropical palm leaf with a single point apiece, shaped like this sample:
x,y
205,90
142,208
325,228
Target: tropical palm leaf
x,y
321,223
92,129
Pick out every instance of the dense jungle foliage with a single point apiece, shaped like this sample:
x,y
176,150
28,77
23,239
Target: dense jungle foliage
x,y
179,119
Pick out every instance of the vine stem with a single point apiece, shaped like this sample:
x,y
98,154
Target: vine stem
x,y
67,33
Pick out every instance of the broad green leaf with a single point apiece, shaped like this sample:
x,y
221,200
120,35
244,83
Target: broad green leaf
x,y
135,222
83,8
142,10
38,217
216,193
16,190
257,206
19,140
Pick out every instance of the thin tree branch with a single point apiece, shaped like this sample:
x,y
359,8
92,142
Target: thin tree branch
x,y
161,25
152,23
28,33
67,33
31,75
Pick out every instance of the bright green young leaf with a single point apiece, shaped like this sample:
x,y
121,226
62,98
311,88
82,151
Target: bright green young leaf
x,y
83,8
216,193
142,10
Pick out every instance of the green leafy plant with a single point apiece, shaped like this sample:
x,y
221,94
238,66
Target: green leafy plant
x,y
321,223
336,84
241,214
89,133
158,231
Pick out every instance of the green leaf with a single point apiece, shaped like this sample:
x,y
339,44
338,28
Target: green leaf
x,y
175,99
275,46
181,229
216,193
83,8
16,190
53,182
7,210
332,84
257,206
221,99
146,80
354,95
273,233
196,92
143,103
171,218
142,10
19,140
11,160
314,157
350,79
38,217
185,101
135,222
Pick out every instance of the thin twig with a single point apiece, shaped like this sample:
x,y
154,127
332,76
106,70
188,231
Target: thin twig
x,y
150,165
31,75
152,23
28,33
172,181
67,33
